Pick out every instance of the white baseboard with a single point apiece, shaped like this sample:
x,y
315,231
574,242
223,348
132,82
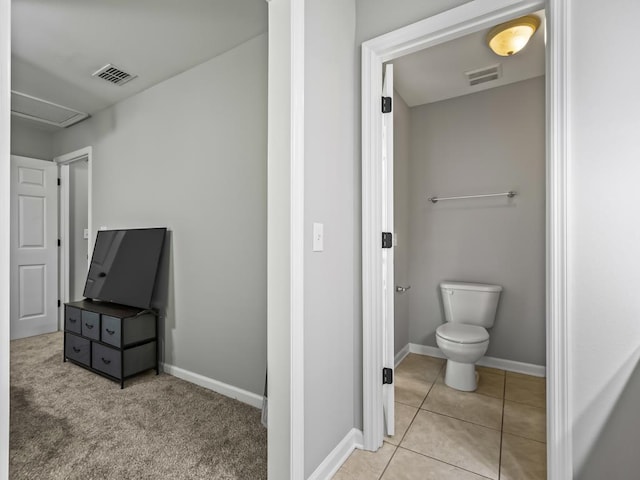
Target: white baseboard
x,y
508,365
227,390
338,455
425,350
402,354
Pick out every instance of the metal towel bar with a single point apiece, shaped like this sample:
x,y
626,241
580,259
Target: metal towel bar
x,y
509,194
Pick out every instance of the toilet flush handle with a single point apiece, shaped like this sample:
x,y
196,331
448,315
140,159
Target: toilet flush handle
x,y
400,289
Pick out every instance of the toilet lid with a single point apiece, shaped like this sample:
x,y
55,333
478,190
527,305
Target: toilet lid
x,y
461,333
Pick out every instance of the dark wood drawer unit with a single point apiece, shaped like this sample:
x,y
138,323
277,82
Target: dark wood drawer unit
x,y
112,340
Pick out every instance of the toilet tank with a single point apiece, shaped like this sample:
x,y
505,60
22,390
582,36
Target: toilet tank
x,y
470,303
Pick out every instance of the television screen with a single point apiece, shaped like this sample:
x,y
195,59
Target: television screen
x,y
124,266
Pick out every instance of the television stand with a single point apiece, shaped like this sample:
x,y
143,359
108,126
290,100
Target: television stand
x,y
115,341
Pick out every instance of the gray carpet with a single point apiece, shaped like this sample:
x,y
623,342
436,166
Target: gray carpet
x,y
68,423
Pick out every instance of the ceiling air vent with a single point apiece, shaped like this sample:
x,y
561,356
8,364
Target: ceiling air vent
x,y
113,74
482,75
39,110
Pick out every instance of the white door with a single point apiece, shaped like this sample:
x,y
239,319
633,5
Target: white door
x,y
387,253
34,247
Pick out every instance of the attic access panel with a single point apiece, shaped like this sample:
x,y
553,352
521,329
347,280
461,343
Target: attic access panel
x,y
39,110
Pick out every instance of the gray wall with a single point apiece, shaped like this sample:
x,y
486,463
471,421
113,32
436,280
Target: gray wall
x,y
331,277
491,141
401,218
603,268
78,221
190,154
27,140
375,17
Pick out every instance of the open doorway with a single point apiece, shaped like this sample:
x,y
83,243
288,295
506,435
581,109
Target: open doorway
x,y
433,31
75,224
469,222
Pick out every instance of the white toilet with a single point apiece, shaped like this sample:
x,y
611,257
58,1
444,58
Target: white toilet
x,y
469,309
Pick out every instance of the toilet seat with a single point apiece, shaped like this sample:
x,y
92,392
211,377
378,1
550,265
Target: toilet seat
x,y
462,333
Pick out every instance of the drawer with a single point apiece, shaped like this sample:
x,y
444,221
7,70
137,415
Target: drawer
x,y
106,359
72,319
122,332
91,325
140,358
77,348
110,330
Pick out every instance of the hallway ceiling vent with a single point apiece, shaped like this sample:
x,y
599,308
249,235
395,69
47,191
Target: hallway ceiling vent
x,y
43,111
113,74
482,75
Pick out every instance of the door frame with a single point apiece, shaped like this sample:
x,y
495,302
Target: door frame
x,y
63,162
5,175
431,31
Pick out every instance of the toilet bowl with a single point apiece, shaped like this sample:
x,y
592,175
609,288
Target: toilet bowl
x,y
463,347
470,309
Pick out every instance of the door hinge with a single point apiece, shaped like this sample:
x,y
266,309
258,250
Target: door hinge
x,y
387,240
59,242
386,104
387,376
58,182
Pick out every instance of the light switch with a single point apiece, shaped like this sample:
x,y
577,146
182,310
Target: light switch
x,y
318,237
85,235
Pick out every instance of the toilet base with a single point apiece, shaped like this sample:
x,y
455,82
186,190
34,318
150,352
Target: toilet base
x,y
461,376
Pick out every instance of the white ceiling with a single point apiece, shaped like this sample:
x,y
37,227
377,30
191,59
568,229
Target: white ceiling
x,y
438,73
58,44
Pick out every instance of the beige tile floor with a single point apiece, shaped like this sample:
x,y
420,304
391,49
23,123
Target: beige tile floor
x,y
496,432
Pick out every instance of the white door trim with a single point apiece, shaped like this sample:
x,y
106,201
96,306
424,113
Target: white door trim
x,y
63,162
448,25
559,432
285,233
5,175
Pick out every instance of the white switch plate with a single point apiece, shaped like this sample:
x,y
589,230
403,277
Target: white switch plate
x,y
85,235
318,237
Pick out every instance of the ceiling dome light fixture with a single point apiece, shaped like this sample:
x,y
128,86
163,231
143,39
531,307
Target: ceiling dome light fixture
x,y
510,37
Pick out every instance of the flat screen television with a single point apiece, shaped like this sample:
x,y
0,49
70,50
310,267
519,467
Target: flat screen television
x,y
124,266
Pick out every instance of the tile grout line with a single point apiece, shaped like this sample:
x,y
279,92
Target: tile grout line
x,y
461,419
408,427
524,438
501,429
399,446
526,404
442,461
435,380
417,409
389,462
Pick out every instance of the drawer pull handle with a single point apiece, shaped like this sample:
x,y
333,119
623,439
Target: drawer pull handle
x,y
75,349
110,332
105,361
88,325
72,320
